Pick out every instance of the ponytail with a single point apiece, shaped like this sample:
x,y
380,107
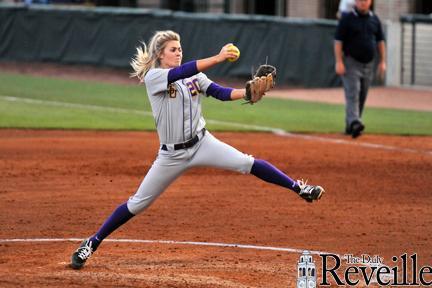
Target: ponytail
x,y
146,59
141,62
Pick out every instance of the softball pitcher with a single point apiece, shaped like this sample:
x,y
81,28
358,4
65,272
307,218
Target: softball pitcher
x,y
175,92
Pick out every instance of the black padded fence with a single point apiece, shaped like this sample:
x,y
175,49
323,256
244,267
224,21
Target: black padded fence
x,y
301,49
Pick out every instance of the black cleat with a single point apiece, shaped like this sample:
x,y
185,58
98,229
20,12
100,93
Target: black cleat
x,y
310,192
80,256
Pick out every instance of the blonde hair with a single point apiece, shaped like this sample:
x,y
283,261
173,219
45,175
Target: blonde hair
x,y
146,59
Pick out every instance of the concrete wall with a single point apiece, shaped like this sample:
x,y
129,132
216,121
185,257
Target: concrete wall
x,y
393,75
304,8
149,3
386,9
392,9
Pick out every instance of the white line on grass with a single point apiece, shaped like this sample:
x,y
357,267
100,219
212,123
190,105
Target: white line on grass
x,y
74,105
273,130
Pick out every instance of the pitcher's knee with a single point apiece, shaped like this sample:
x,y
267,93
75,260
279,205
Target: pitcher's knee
x,y
137,205
246,164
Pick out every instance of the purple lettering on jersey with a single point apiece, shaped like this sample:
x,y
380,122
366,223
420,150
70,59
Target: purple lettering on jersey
x,y
196,84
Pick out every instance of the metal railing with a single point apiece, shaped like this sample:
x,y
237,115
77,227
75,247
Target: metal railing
x,y
416,50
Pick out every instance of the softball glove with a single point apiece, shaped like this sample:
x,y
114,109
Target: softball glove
x,y
263,80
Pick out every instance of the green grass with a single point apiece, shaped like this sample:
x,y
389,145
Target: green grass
x,y
289,115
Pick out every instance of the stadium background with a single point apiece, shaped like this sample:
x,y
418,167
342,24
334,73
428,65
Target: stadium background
x,y
69,153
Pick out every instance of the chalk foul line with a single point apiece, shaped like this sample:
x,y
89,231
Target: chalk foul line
x,y
173,242
170,242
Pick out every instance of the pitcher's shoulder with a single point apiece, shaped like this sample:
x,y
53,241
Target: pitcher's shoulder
x,y
155,73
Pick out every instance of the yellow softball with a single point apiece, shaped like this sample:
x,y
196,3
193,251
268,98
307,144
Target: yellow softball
x,y
233,48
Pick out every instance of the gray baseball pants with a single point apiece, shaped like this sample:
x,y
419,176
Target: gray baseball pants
x,y
356,81
169,165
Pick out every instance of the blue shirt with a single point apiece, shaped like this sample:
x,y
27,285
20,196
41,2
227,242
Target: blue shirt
x,y
359,34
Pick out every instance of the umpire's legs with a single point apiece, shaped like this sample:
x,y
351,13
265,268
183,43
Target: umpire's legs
x,y
351,82
366,80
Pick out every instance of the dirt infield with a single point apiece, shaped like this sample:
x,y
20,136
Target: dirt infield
x,y
63,184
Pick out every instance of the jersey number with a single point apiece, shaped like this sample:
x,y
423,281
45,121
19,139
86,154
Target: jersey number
x,y
193,86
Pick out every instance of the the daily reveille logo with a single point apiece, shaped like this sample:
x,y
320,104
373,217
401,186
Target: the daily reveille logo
x,y
351,270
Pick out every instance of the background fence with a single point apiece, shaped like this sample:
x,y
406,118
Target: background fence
x,y
416,50
301,49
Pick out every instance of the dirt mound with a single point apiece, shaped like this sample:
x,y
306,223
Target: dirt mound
x,y
63,184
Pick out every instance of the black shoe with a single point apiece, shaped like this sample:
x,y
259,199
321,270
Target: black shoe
x,y
356,129
348,130
80,256
310,192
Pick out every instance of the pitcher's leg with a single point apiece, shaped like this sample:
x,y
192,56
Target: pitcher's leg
x,y
162,173
119,217
269,173
159,177
215,153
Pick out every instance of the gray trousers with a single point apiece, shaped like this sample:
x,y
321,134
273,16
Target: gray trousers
x,y
356,81
169,165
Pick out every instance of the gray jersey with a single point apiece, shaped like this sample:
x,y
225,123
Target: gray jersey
x,y
176,107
